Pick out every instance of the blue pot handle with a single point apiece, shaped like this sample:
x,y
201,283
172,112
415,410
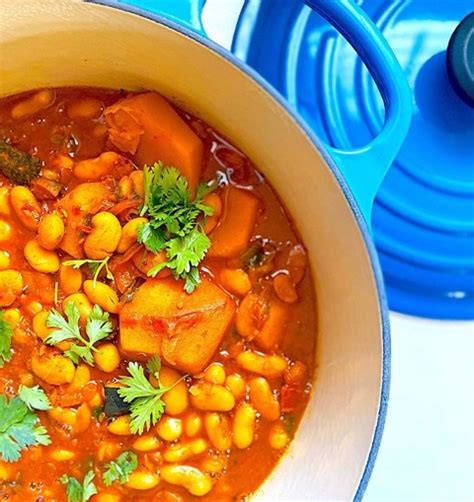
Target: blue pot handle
x,y
365,168
185,12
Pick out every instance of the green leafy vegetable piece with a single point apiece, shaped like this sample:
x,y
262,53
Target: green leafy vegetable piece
x,y
98,327
77,491
120,468
19,429
95,265
146,405
6,332
174,223
34,397
18,166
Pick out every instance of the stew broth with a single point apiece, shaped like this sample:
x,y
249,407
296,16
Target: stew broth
x,y
261,304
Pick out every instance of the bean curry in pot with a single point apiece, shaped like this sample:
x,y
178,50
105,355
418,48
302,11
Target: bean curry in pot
x,y
157,317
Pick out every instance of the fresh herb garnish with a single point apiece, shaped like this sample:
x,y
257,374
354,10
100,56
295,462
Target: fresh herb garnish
x,y
77,491
146,405
98,327
6,332
95,266
34,397
174,223
19,429
120,468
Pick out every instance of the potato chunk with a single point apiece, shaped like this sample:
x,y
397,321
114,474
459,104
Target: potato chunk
x,y
147,126
184,329
232,235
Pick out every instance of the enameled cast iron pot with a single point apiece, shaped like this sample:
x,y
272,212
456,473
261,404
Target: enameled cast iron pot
x,y
109,44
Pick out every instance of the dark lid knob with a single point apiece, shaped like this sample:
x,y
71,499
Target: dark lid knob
x,y
460,59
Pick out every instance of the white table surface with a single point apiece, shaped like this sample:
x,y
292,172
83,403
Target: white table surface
x,y
427,450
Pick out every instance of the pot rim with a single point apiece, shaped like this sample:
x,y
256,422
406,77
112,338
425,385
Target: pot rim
x,y
362,225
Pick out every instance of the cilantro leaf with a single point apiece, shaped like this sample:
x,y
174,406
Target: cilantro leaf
x,y
19,429
97,328
77,491
120,468
146,405
98,325
175,223
66,327
6,332
34,397
154,366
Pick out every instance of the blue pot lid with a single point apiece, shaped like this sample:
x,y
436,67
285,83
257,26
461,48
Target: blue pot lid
x,y
423,217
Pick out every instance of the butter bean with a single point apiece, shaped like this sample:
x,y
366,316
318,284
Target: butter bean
x,y
81,378
66,416
192,424
215,373
97,168
142,480
33,104
169,428
62,455
195,481
70,279
41,259
25,207
106,497
236,281
219,430
5,231
82,303
270,366
39,325
137,180
5,208
102,295
107,451
236,384
85,109
146,443
107,357
105,236
243,426
11,285
130,233
4,260
50,231
125,187
120,426
180,452
262,398
211,397
176,400
53,368
278,437
12,316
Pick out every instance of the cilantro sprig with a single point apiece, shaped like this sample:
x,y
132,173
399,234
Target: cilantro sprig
x,y
19,429
120,468
6,333
34,397
67,327
174,224
146,405
77,491
95,266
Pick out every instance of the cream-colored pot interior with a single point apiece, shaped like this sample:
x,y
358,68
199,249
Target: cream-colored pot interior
x,y
67,42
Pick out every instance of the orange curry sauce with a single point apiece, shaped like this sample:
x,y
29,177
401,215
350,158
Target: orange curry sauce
x,y
62,127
